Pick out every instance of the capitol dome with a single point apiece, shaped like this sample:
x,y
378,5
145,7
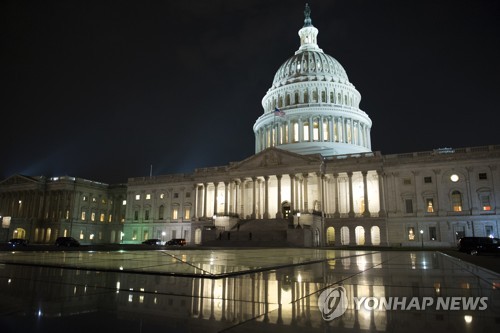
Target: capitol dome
x,y
311,107
311,66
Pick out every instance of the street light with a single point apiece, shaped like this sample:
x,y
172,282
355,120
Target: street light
x,y
298,220
163,233
422,237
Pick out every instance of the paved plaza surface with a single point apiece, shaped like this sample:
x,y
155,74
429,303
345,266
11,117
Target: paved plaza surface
x,y
245,290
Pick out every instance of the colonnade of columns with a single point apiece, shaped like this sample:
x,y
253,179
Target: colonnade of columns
x,y
264,196
309,129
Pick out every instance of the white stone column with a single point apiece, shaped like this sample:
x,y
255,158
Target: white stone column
x,y
336,213
236,189
205,197
242,187
292,192
266,197
216,189
304,192
226,197
382,210
351,197
254,198
366,213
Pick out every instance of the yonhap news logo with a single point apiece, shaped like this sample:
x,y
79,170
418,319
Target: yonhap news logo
x,y
333,303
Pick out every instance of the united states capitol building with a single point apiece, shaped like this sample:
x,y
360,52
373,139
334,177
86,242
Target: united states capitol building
x,y
313,181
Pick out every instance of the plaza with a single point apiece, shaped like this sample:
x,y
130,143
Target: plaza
x,y
236,290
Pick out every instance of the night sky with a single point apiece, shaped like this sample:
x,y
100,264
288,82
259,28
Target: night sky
x,y
103,90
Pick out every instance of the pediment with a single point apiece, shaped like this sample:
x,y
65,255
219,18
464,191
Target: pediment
x,y
19,180
274,158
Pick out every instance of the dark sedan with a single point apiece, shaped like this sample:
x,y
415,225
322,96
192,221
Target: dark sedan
x,y
18,242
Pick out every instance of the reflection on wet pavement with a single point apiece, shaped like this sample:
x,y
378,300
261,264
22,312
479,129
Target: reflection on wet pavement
x,y
242,290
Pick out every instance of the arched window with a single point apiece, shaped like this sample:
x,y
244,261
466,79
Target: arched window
x,y
332,97
306,97
287,100
315,96
280,102
306,131
315,130
295,131
323,97
360,235
330,236
326,132
161,210
339,98
456,201
296,98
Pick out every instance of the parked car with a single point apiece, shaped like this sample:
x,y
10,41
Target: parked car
x,y
153,241
479,245
18,242
67,241
177,241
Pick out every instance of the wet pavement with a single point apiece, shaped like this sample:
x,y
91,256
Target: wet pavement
x,y
245,290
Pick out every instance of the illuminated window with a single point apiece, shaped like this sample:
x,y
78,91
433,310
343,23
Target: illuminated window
x,y
162,195
82,236
92,216
325,131
148,196
295,132
485,202
83,216
456,201
67,215
137,197
124,202
102,218
411,233
84,198
454,178
94,199
175,213
187,213
429,202
306,131
315,131
110,218
103,201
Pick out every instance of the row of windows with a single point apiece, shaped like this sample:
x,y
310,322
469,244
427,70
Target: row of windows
x,y
317,97
161,196
94,216
432,234
354,133
456,203
94,199
174,215
454,178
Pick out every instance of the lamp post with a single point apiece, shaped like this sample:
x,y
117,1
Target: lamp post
x,y
422,237
163,233
298,220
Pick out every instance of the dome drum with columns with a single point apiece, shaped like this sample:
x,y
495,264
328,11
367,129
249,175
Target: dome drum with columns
x,y
311,106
